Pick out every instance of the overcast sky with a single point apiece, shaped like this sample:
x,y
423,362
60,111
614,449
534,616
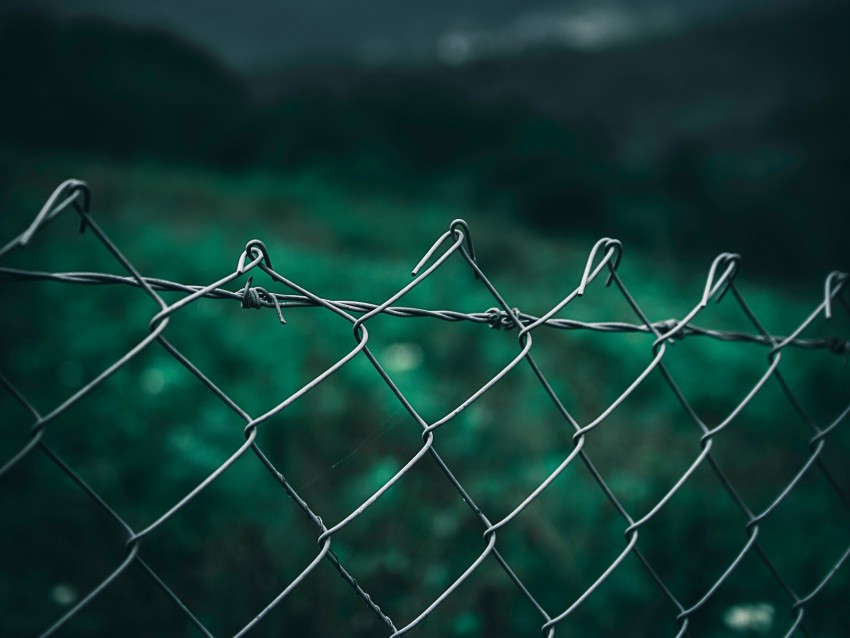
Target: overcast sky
x,y
248,34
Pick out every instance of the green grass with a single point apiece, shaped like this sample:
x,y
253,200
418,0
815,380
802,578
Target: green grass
x,y
152,432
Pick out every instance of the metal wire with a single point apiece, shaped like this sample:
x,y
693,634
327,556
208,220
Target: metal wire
x,y
455,243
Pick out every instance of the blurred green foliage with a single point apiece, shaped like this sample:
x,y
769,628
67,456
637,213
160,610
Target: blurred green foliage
x,y
152,432
727,138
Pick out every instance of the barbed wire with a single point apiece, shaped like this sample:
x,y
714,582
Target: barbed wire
x,y
497,318
603,259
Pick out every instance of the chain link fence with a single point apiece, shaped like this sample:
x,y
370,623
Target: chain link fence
x,y
677,609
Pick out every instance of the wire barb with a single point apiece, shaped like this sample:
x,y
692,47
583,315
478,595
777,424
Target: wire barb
x,y
258,297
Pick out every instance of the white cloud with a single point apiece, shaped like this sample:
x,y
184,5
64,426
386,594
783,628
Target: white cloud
x,y
589,27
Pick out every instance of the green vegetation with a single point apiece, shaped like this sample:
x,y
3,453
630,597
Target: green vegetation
x,y
152,432
727,138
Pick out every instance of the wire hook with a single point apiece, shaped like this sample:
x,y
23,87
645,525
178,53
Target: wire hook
x,y
459,226
257,249
730,261
70,190
458,229
614,250
837,279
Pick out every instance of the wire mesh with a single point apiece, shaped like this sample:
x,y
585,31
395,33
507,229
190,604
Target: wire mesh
x,y
455,244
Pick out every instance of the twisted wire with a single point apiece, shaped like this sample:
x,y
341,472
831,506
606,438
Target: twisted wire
x,y
496,318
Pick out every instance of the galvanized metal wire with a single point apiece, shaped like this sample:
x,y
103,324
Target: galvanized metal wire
x,y
455,243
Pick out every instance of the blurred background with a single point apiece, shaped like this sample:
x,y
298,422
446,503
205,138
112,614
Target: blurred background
x,y
347,136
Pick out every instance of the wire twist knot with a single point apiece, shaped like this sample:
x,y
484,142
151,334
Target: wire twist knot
x,y
258,297
500,319
667,326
